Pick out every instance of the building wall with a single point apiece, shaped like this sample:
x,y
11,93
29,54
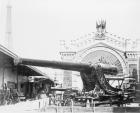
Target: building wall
x,y
67,75
129,61
8,73
8,76
1,77
126,50
77,81
139,70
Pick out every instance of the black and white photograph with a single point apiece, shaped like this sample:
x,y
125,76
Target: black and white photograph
x,y
70,56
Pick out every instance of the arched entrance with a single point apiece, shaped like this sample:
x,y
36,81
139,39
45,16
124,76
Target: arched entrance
x,y
105,55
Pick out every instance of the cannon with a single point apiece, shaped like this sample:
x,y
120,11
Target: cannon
x,y
90,74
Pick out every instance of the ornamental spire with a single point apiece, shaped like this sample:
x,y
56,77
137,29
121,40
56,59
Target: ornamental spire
x,y
101,26
101,29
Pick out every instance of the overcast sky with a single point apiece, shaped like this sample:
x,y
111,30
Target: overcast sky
x,y
38,25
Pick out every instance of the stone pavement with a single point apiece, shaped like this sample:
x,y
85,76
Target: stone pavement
x,y
59,109
37,106
27,106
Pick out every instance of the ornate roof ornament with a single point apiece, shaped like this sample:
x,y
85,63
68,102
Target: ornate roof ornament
x,y
101,29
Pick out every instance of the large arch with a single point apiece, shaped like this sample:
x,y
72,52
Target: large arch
x,y
102,56
85,55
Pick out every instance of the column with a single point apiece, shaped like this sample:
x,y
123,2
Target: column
x,y
67,75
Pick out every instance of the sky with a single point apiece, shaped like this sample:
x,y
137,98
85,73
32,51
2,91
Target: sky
x,y
39,25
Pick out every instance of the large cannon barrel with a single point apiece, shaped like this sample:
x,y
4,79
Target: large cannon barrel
x,y
53,64
90,74
107,69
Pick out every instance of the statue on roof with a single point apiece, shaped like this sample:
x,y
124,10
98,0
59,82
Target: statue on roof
x,y
101,29
101,26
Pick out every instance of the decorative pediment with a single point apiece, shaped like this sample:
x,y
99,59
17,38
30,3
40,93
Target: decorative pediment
x,y
100,38
101,44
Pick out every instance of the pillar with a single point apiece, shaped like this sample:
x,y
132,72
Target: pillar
x,y
67,75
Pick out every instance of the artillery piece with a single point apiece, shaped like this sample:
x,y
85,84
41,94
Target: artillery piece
x,y
90,74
